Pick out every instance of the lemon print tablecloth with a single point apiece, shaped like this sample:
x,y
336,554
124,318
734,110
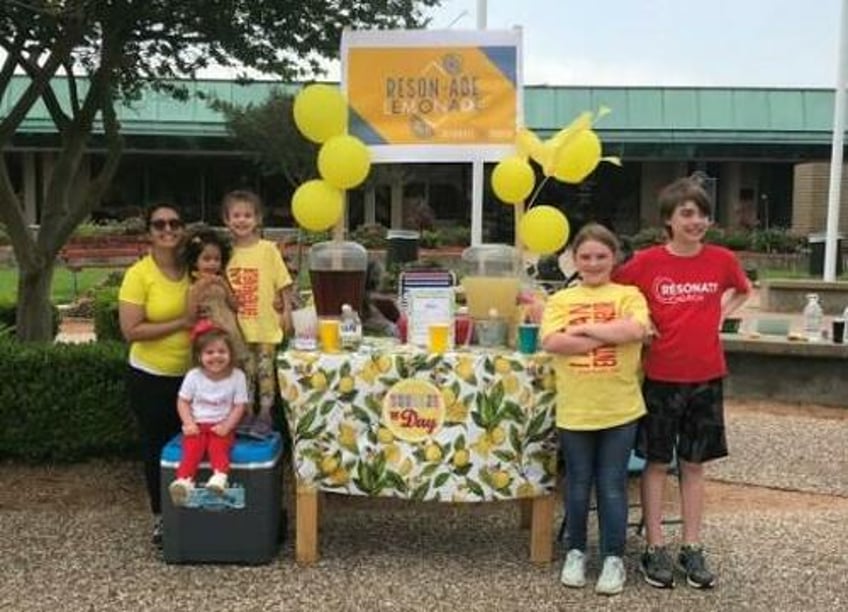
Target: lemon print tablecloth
x,y
469,426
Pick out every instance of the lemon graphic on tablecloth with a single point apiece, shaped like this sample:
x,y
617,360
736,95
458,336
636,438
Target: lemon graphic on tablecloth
x,y
500,479
369,373
405,467
346,384
384,363
465,369
318,381
347,436
329,464
339,477
502,366
525,489
497,435
510,383
432,452
385,436
456,413
449,396
392,453
461,458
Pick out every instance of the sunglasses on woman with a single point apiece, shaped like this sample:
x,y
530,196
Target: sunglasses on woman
x,y
161,224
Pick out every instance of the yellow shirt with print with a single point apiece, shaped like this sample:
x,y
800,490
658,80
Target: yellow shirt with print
x,y
163,300
600,389
256,274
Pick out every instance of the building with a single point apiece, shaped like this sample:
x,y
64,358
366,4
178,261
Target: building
x,y
765,153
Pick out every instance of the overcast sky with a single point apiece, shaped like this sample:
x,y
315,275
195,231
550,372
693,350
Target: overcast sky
x,y
783,43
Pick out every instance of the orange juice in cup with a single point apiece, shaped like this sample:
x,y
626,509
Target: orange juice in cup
x,y
328,333
438,337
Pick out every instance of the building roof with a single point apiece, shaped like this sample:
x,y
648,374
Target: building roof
x,y
657,115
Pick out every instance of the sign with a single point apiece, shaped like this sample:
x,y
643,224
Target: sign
x,y
425,307
428,94
414,410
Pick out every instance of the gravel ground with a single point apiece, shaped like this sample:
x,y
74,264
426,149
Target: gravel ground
x,y
75,538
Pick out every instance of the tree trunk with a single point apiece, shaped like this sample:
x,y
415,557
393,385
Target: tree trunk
x,y
34,319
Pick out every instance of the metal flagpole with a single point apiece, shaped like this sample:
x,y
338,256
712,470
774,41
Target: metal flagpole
x,y
477,164
834,192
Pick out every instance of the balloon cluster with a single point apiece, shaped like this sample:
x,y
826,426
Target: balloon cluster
x,y
569,156
320,113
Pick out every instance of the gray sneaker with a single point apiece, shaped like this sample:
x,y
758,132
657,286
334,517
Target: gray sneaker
x,y
574,569
612,578
694,565
657,567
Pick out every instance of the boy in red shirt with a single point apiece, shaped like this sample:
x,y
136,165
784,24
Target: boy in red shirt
x,y
690,288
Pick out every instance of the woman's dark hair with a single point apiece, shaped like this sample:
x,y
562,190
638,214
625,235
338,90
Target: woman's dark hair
x,y
151,210
197,239
207,338
242,195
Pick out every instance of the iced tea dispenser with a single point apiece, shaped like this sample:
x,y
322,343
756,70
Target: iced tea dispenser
x,y
337,272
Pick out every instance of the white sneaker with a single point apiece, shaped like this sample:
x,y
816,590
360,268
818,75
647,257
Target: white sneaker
x,y
217,483
612,578
574,569
180,490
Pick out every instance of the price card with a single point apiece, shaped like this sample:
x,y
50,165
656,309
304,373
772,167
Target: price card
x,y
430,306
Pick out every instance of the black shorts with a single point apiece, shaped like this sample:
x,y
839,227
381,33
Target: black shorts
x,y
686,418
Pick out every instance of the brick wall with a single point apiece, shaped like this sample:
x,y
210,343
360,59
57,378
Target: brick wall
x,y
809,198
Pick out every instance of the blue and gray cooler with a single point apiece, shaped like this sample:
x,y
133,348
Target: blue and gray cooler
x,y
243,526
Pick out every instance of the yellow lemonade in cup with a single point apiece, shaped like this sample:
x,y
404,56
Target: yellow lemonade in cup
x,y
328,334
438,338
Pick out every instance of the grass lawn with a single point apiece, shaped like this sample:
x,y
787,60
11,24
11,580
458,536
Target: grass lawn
x,y
63,283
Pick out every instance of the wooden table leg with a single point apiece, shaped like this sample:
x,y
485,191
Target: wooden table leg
x,y
306,535
541,529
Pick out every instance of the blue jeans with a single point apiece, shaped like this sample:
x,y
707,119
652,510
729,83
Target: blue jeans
x,y
598,457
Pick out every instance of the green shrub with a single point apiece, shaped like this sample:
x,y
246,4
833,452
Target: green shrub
x,y
647,237
371,236
776,240
107,326
63,402
9,315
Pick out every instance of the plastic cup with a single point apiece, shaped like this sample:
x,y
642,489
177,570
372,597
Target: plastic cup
x,y
437,337
328,333
838,330
528,338
305,321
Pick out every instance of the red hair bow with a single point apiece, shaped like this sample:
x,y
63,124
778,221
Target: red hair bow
x,y
201,327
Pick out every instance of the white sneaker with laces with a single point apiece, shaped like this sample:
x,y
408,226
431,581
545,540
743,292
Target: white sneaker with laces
x,y
612,578
574,569
180,490
217,483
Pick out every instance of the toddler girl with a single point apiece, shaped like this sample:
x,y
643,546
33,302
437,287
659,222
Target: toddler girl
x,y
211,402
205,254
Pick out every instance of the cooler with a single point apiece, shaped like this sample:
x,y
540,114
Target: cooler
x,y
243,526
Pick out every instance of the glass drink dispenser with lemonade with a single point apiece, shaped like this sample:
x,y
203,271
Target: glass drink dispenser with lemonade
x,y
491,284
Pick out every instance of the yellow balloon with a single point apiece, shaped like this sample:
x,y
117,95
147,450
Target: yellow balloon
x,y
317,205
578,158
344,161
526,142
544,229
513,179
320,112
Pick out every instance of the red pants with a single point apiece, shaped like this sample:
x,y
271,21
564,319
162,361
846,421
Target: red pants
x,y
195,447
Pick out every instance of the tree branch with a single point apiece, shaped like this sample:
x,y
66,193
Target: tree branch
x,y
37,85
73,92
13,217
48,96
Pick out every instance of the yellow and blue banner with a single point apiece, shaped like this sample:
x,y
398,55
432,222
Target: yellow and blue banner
x,y
425,88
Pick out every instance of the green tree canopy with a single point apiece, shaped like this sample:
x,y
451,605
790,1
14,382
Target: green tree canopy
x,y
121,47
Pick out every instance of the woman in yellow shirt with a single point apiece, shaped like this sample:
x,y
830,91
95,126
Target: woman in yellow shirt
x,y
596,330
155,320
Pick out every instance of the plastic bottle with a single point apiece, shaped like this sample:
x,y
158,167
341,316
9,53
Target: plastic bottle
x,y
350,328
813,318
